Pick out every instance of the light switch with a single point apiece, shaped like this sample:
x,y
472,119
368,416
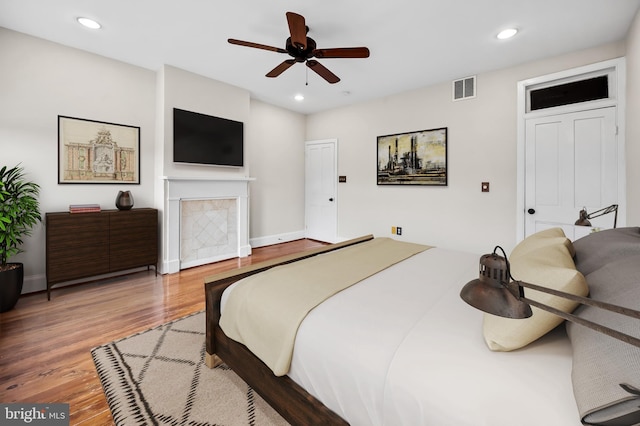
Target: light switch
x,y
485,186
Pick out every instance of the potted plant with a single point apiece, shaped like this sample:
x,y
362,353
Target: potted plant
x,y
19,213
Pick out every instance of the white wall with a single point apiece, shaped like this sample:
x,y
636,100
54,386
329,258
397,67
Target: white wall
x,y
177,88
482,147
633,124
40,80
274,152
193,92
276,159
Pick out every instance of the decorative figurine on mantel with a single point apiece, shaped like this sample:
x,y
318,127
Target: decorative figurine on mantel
x,y
124,200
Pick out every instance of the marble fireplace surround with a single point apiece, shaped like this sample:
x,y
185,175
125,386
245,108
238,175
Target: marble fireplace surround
x,y
231,194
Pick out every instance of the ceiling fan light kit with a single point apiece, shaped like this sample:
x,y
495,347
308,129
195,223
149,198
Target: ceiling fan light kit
x,y
303,49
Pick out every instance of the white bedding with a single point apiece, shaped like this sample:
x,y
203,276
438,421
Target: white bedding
x,y
402,348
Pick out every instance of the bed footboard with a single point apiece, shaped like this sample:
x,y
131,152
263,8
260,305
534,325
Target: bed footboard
x,y
293,403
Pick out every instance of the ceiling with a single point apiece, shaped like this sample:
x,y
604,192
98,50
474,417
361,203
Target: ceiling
x,y
413,43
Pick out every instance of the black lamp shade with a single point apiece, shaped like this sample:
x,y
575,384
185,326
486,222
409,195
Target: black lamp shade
x,y
492,293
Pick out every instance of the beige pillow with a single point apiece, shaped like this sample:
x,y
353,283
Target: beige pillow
x,y
548,237
544,259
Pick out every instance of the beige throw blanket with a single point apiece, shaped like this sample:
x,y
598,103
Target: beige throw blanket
x,y
264,311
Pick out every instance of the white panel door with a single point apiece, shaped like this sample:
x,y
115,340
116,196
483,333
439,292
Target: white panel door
x,y
571,162
321,212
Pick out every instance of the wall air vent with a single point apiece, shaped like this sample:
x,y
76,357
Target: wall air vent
x,y
465,88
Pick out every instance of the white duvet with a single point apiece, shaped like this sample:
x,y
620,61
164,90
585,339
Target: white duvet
x,y
402,348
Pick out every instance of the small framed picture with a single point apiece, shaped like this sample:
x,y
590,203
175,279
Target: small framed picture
x,y
413,158
92,151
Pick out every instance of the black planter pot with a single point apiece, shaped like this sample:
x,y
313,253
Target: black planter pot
x,y
11,286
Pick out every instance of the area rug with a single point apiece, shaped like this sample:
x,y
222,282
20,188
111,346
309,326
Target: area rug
x,y
158,377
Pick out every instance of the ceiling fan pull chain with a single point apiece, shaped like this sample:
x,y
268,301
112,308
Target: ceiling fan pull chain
x,y
306,73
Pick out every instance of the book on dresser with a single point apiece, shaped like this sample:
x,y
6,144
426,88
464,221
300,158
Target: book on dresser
x,y
84,208
103,242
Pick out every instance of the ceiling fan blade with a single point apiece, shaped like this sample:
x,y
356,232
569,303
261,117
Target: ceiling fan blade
x,y
281,68
322,71
298,30
256,45
342,52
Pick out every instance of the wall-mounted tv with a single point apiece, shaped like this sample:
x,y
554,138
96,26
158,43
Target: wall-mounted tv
x,y
204,139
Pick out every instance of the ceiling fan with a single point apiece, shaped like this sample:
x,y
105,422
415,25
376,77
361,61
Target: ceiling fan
x,y
303,49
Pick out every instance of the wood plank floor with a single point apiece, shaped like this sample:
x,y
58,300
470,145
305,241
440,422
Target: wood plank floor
x,y
45,345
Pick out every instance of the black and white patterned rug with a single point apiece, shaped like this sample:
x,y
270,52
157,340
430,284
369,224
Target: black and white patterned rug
x,y
158,377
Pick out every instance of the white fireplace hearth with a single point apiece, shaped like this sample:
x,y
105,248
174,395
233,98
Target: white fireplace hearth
x,y
205,220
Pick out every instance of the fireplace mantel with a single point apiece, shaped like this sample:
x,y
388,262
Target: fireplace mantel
x,y
179,189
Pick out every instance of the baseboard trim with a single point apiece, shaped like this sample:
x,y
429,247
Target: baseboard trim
x,y
276,239
245,251
38,283
170,266
34,283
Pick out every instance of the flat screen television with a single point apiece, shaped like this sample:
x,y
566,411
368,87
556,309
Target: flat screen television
x,y
204,139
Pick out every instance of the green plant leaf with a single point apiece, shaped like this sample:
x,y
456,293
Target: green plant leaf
x,y
19,210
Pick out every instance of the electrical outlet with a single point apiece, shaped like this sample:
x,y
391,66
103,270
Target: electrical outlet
x,y
398,230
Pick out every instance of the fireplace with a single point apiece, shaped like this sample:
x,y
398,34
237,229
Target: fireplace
x,y
205,220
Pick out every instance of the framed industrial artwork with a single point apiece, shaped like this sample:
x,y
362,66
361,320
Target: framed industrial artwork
x,y
92,151
413,158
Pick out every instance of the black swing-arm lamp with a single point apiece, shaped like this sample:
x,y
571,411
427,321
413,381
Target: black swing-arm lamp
x,y
495,292
584,216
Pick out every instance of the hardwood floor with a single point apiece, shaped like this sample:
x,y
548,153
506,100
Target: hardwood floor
x,y
44,345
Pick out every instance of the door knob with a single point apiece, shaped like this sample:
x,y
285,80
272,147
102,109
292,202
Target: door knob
x,y
331,199
531,211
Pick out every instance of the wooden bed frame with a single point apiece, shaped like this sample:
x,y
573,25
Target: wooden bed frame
x,y
293,403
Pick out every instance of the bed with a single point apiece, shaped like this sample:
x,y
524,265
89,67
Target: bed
x,y
400,347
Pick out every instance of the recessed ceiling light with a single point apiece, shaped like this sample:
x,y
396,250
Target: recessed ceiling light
x,y
299,98
508,33
89,23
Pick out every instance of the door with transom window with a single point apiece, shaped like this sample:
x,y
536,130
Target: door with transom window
x,y
571,163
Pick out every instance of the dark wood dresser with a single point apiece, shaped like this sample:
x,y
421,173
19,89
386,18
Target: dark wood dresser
x,y
82,245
